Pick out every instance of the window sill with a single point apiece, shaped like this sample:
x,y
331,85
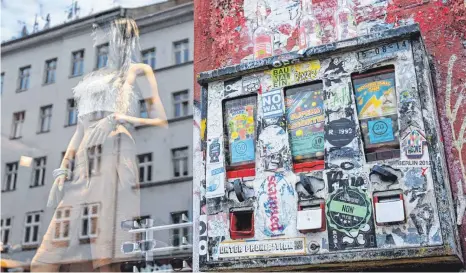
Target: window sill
x,y
75,76
43,132
172,66
14,138
35,186
61,243
163,182
173,120
84,241
47,83
30,246
69,125
21,90
3,191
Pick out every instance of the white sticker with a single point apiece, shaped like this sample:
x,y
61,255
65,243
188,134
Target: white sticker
x,y
291,246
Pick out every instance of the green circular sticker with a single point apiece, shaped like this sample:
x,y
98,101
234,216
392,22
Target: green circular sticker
x,y
348,209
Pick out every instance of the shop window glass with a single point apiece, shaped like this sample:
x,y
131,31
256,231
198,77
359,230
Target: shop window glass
x,y
240,129
305,122
377,112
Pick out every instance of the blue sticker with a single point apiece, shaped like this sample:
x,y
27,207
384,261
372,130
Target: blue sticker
x,y
380,130
217,171
242,150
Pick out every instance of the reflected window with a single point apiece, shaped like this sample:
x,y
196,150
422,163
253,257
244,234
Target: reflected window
x,y
181,51
77,67
17,126
1,83
45,119
5,230
62,224
378,113
179,233
148,57
50,71
71,112
11,175
95,158
89,221
145,167
139,236
70,166
38,172
97,115
102,56
180,161
23,80
145,108
181,103
31,228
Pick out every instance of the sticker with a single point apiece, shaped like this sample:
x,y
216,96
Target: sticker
x,y
382,52
203,237
305,118
218,171
217,225
240,122
376,98
251,83
214,151
272,104
215,183
349,217
232,86
340,132
380,130
274,205
414,142
291,246
281,77
304,72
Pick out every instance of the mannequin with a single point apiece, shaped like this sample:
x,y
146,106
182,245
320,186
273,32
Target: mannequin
x,y
106,174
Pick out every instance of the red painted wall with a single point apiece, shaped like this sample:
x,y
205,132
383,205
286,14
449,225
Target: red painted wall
x,y
223,37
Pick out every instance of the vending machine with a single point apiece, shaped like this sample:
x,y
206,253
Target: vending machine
x,y
329,157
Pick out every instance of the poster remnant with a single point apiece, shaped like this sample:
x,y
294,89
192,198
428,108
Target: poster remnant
x,y
305,119
376,98
289,246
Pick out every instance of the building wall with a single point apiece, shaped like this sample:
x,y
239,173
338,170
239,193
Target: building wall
x,y
223,36
157,195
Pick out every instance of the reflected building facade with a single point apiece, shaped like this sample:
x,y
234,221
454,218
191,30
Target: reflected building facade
x,y
39,116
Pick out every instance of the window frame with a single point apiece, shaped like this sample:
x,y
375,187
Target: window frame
x,y
98,54
89,218
176,232
152,50
15,133
60,222
180,160
146,174
70,109
95,159
148,106
76,60
183,50
9,172
24,76
32,225
43,115
184,101
53,70
2,81
3,228
37,165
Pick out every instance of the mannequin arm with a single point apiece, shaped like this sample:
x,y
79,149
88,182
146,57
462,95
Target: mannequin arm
x,y
73,145
156,102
